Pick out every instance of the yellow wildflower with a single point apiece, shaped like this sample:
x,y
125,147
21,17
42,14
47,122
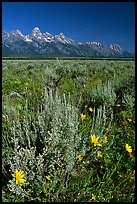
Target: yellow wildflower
x,y
19,176
60,164
82,116
48,177
95,141
106,128
99,153
105,139
128,148
90,109
93,196
79,158
93,137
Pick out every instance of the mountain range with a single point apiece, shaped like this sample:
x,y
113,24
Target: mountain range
x,y
15,44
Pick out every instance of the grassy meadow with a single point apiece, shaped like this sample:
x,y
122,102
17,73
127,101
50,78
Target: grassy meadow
x,y
68,130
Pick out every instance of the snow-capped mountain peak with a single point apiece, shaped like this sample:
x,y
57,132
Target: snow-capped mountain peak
x,y
18,32
36,29
35,34
63,39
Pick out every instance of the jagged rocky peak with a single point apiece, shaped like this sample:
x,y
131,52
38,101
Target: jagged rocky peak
x,y
115,47
36,34
61,35
18,32
63,39
48,37
36,31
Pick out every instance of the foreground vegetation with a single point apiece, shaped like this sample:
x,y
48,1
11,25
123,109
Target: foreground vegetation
x,y
68,131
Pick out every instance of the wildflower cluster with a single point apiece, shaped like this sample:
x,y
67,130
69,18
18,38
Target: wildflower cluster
x,y
57,153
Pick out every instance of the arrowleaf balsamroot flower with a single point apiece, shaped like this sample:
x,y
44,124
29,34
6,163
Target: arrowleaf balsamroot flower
x,y
79,157
93,196
99,153
94,140
90,109
48,177
82,116
128,148
19,176
60,164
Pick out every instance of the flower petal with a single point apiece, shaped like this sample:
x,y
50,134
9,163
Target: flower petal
x,y
22,180
13,175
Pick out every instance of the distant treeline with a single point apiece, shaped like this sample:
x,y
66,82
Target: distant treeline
x,y
65,58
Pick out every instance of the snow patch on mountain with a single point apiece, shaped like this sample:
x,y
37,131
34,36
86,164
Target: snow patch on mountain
x,y
115,47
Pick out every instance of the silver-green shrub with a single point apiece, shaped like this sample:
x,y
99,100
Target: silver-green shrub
x,y
56,128
104,93
128,100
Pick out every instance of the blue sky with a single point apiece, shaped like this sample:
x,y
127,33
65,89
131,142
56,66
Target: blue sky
x,y
104,22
